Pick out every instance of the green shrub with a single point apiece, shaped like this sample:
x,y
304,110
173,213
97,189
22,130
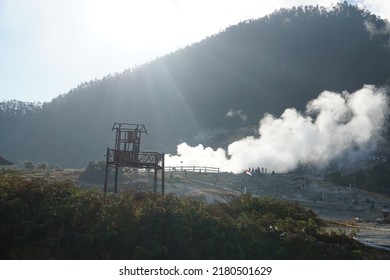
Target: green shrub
x,y
94,172
57,220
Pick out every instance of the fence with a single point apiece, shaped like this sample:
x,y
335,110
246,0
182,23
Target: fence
x,y
199,169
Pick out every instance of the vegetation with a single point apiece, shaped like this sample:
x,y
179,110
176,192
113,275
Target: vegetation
x,y
57,220
94,172
376,178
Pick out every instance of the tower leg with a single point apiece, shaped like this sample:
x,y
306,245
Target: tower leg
x,y
116,179
155,178
106,173
162,174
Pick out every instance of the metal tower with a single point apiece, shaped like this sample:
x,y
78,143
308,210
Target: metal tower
x,y
126,153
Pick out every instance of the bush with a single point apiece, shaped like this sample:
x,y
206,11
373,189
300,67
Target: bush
x,y
42,165
28,165
94,172
57,220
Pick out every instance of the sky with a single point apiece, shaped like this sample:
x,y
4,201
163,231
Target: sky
x,y
48,47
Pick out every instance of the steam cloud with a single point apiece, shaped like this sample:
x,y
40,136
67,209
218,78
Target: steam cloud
x,y
374,31
345,127
236,113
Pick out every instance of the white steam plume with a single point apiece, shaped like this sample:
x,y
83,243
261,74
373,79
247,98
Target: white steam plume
x,y
374,31
344,127
236,113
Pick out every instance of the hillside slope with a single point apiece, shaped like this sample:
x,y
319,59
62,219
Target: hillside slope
x,y
265,65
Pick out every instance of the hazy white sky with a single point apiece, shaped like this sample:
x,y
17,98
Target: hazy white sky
x,y
48,47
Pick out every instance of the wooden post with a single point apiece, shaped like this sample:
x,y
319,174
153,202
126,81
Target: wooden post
x,y
155,171
155,177
116,179
106,173
163,173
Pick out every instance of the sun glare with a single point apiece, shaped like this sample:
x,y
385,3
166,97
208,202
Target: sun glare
x,y
122,23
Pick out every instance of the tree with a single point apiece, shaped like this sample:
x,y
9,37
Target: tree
x,y
28,165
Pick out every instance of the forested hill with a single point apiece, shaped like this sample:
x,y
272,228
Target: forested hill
x,y
264,65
